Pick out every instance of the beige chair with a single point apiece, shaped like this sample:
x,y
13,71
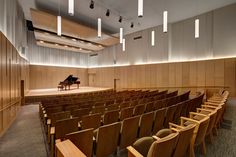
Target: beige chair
x,y
198,138
107,139
161,147
129,131
62,128
111,117
159,120
91,121
139,110
83,140
213,115
146,122
170,115
126,113
184,140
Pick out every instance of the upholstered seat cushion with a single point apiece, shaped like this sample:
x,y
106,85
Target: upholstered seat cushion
x,y
163,133
143,144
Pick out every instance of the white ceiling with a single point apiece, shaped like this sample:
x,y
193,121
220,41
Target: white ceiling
x,y
178,10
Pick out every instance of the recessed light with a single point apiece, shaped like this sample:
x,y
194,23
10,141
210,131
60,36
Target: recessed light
x,y
80,49
65,46
100,46
56,44
74,39
41,41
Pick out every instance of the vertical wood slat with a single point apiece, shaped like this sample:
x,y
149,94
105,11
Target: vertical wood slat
x,y
10,69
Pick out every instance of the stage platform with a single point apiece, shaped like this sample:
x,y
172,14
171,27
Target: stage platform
x,y
37,95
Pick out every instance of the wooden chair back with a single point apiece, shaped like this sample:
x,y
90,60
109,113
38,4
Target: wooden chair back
x,y
65,126
146,123
83,140
111,117
170,115
91,121
126,113
139,110
159,120
59,116
107,139
80,113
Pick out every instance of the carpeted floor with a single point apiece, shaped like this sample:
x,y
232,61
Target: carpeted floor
x,y
24,138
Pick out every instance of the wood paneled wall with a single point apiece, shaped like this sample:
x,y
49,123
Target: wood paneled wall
x,y
13,69
42,77
197,75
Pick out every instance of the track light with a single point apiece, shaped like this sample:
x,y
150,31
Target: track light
x,y
108,12
71,7
59,25
140,8
121,35
91,6
120,19
197,28
132,25
99,27
165,21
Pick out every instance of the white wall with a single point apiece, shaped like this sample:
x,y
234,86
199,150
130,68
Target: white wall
x,y
217,39
12,24
39,55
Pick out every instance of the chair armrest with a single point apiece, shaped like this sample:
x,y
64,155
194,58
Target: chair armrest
x,y
215,104
52,130
45,115
196,114
203,109
174,129
133,153
189,119
58,140
214,101
211,107
172,125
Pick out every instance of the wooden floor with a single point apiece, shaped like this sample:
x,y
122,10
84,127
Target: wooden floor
x,y
54,91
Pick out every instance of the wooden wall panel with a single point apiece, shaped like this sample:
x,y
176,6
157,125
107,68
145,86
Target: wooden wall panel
x,y
191,75
13,69
42,77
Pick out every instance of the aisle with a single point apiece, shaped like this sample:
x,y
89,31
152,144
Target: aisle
x,y
24,138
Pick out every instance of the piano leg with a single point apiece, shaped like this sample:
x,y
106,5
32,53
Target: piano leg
x,y
78,86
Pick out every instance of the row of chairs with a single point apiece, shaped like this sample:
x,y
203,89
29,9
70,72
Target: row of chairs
x,y
183,138
144,125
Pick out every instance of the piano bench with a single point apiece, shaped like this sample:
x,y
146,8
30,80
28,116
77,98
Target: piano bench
x,y
60,87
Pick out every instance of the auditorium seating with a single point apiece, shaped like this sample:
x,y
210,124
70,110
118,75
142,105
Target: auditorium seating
x,y
151,119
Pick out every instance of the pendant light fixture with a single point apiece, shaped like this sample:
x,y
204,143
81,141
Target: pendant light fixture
x,y
99,27
197,28
153,38
140,8
121,35
165,21
71,7
123,45
59,25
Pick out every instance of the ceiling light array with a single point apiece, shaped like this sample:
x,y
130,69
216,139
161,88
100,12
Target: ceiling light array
x,y
66,46
71,7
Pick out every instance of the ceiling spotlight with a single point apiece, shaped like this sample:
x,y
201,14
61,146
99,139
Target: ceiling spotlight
x,y
73,39
132,25
41,41
120,19
80,49
108,12
91,4
65,46
56,44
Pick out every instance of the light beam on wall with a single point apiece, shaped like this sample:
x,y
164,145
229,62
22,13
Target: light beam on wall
x,y
123,45
71,7
121,35
197,28
153,38
140,8
59,25
165,21
99,27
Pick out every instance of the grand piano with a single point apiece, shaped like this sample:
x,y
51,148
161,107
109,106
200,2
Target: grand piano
x,y
70,80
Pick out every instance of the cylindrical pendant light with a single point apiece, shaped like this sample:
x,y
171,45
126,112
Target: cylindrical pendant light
x,y
99,27
197,28
165,21
59,25
140,8
121,35
123,45
71,7
153,38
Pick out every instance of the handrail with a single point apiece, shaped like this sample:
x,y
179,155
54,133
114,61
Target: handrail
x,y
10,104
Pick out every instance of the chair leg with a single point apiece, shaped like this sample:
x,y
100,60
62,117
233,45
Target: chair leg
x,y
203,148
191,151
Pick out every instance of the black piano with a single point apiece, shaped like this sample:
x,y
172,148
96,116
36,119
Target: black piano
x,y
70,80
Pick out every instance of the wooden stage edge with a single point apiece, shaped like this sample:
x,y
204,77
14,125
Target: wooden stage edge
x,y
37,95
